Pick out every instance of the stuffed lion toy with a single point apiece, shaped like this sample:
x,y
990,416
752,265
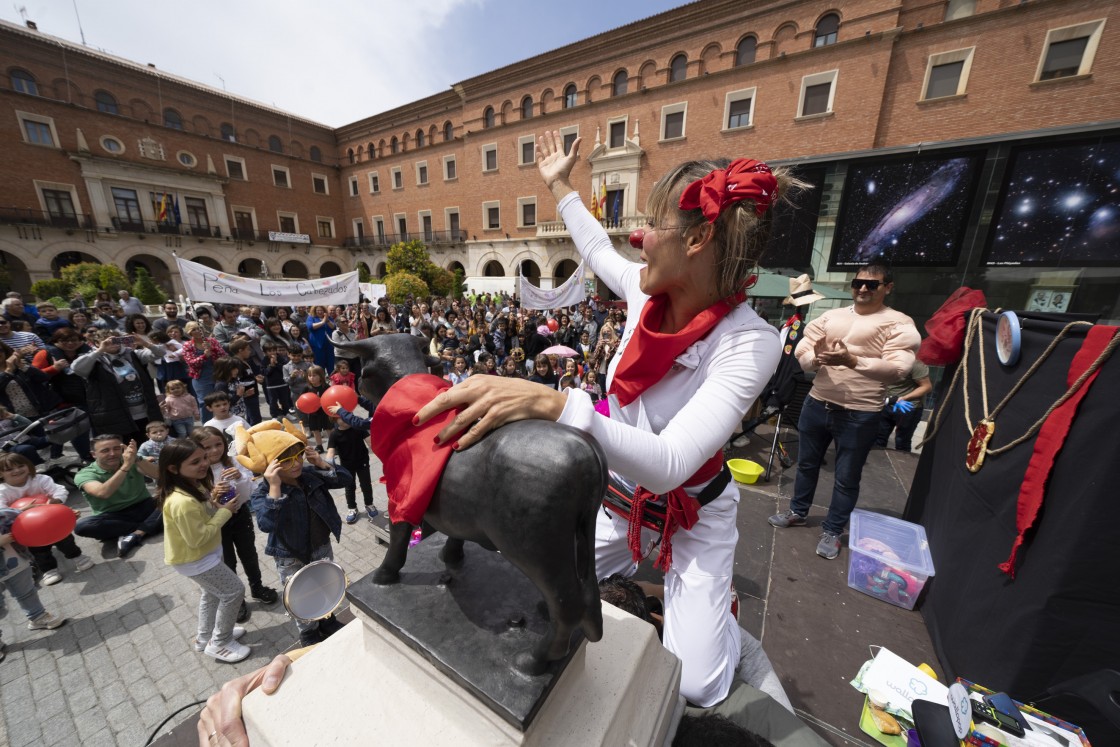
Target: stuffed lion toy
x,y
255,447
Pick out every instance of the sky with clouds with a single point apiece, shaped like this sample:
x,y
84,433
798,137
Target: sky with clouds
x,y
333,61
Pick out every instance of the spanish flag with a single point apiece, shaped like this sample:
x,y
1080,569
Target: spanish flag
x,y
162,209
602,200
595,205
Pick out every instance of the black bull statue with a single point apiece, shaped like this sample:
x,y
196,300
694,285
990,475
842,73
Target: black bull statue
x,y
530,489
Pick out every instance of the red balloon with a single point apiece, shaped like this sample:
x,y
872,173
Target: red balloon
x,y
40,526
553,325
28,501
636,238
339,395
308,402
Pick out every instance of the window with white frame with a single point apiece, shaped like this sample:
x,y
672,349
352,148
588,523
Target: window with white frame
x,y
402,226
450,169
817,93
359,228
112,145
37,129
379,227
325,226
374,183
281,176
959,9
320,185
425,219
244,221
568,135
525,154
947,73
616,132
492,215
738,109
672,120
1069,51
526,212
451,220
422,172
353,181
490,157
398,178
235,168
289,222
59,202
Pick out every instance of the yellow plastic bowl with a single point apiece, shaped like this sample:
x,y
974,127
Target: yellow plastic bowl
x,y
745,471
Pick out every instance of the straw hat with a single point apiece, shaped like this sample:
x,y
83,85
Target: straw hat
x,y
801,292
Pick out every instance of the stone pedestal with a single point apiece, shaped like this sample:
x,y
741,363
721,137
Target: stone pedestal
x,y
385,678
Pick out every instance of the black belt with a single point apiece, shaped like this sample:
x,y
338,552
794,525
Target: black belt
x,y
619,499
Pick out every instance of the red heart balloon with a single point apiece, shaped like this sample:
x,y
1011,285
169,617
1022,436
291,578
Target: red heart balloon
x,y
40,526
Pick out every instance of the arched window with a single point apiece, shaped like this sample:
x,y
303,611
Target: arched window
x,y
527,107
488,117
678,68
745,52
361,150
350,154
106,103
826,30
371,151
448,131
316,154
619,83
393,145
419,138
172,119
570,96
227,132
23,82
274,144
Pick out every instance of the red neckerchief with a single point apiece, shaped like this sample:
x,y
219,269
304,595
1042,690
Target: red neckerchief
x,y
410,457
681,510
1052,436
792,320
650,353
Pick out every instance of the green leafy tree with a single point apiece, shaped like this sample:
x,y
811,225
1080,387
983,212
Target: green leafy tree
x,y
440,281
50,287
460,287
408,256
363,273
89,278
146,289
400,284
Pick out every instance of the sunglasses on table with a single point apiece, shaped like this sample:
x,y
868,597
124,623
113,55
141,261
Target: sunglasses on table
x,y
872,285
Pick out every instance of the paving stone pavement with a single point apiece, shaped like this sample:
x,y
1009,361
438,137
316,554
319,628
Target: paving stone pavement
x,y
123,661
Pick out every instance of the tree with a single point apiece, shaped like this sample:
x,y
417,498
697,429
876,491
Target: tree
x,y
363,272
51,287
408,256
460,287
440,281
89,277
145,288
400,284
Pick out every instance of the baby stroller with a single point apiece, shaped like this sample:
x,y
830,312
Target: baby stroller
x,y
59,427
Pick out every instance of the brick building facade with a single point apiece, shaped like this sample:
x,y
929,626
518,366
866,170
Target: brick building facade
x,y
815,85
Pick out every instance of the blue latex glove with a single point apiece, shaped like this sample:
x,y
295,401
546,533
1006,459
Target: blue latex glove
x,y
903,405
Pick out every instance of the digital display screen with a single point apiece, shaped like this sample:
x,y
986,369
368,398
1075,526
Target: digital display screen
x,y
795,225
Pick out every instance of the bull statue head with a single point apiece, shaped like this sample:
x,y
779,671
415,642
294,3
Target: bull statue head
x,y
386,359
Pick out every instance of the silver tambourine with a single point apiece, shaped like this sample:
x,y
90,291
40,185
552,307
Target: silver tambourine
x,y
315,591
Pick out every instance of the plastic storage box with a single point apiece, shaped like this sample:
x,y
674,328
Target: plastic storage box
x,y
888,558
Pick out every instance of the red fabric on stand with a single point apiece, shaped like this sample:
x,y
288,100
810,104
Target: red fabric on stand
x,y
1052,436
412,460
944,342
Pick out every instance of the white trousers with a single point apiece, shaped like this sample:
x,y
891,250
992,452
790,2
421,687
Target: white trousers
x,y
699,627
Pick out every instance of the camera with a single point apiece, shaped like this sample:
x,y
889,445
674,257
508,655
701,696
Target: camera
x,y
125,341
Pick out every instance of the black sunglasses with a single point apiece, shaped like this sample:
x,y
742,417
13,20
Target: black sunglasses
x,y
872,285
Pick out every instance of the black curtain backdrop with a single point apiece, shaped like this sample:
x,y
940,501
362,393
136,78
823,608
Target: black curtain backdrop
x,y
1060,617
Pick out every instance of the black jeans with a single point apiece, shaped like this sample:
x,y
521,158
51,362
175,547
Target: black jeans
x,y
144,516
239,541
362,477
902,423
44,558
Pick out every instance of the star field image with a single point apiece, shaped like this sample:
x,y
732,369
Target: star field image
x,y
793,227
913,212
1060,205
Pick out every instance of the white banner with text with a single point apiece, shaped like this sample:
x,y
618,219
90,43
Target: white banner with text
x,y
569,293
204,283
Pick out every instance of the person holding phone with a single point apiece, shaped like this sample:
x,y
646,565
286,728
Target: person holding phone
x,y
120,394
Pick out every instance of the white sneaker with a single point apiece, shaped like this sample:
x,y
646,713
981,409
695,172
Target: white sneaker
x,y
45,621
741,441
82,563
200,645
231,653
51,577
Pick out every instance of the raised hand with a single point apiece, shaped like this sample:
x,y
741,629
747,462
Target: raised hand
x,y
554,164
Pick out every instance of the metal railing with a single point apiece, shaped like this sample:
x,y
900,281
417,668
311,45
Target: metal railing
x,y
152,226
389,239
14,216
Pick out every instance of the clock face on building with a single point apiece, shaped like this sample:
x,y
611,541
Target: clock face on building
x,y
1008,338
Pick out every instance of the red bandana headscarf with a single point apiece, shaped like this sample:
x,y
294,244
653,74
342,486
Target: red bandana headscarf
x,y
743,179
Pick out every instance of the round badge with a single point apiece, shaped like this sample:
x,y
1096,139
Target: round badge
x,y
1009,338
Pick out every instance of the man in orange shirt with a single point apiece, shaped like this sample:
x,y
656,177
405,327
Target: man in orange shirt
x,y
856,351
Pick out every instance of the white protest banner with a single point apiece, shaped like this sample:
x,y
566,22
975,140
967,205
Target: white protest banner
x,y
204,283
373,291
568,294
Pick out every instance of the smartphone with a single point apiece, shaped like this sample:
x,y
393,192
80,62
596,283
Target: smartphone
x,y
1003,704
125,341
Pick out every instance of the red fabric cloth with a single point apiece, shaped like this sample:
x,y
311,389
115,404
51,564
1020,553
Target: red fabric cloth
x,y
1052,436
681,511
651,353
412,460
944,342
743,179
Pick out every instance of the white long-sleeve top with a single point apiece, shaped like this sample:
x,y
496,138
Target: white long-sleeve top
x,y
37,485
243,484
661,438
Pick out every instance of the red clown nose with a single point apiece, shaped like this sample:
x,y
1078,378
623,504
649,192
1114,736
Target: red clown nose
x,y
636,238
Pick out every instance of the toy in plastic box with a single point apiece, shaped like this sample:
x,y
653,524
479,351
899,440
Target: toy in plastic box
x,y
889,558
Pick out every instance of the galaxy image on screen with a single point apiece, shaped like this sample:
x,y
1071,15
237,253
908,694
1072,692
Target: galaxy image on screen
x,y
794,226
1060,205
913,212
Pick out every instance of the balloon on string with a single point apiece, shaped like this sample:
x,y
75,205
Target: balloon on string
x,y
40,526
40,499
344,396
308,403
553,325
